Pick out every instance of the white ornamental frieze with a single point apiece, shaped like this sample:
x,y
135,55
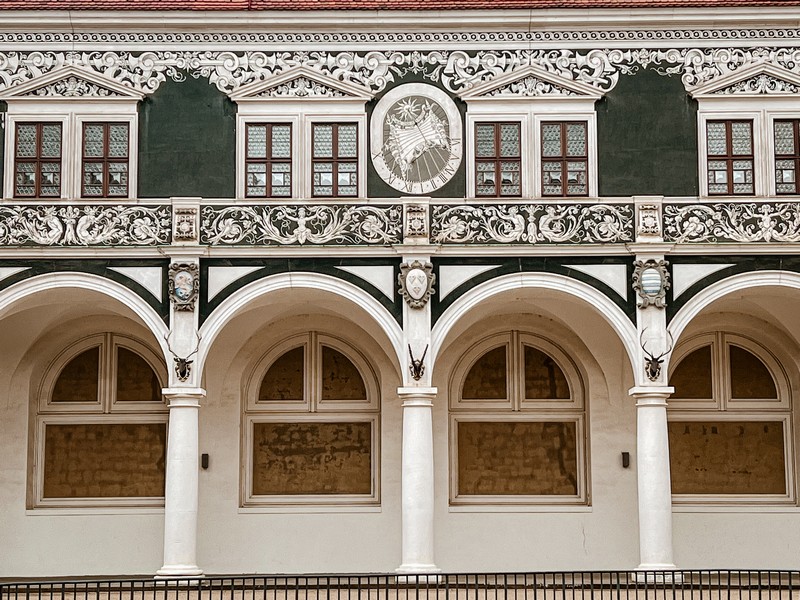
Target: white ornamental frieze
x,y
532,224
732,222
301,225
84,225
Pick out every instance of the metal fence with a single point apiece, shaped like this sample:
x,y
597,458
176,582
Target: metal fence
x,y
577,585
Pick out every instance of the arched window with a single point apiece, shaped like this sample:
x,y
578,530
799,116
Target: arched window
x,y
517,424
730,429
311,423
101,426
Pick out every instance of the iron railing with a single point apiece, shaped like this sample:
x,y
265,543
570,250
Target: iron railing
x,y
577,585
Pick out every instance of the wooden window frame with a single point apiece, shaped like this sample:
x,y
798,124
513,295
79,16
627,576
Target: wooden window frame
x,y
728,158
269,160
38,160
563,159
312,408
106,410
105,160
515,407
496,159
794,157
723,407
335,160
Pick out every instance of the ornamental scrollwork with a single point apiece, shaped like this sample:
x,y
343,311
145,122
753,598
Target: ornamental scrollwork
x,y
44,225
732,222
530,87
300,225
761,84
301,87
533,224
72,87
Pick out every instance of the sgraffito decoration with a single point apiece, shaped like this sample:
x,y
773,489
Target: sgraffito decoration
x,y
85,225
340,224
747,222
532,224
416,281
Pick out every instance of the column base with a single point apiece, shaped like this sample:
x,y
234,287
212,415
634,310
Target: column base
x,y
416,573
657,573
170,571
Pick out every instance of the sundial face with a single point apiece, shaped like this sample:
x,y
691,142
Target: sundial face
x,y
416,141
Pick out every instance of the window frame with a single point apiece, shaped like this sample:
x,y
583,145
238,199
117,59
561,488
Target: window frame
x,y
335,159
531,113
269,160
104,160
516,408
725,408
795,157
105,411
497,159
312,409
72,114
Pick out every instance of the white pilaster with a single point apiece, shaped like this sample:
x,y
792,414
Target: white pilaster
x,y
417,481
181,495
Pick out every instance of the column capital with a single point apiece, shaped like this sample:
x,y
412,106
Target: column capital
x,y
423,393
651,395
187,397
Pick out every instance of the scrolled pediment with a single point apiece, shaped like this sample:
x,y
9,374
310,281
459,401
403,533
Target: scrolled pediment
x,y
70,83
530,82
301,83
756,79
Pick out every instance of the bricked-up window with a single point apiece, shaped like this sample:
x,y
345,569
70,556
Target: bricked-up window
x,y
730,432
565,161
101,431
730,158
37,160
105,149
334,165
787,156
517,424
498,159
311,422
268,160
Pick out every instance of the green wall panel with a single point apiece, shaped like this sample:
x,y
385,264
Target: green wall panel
x,y
187,141
647,137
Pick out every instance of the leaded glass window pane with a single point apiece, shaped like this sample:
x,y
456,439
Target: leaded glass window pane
x,y
51,140
484,140
497,151
93,141
323,141
784,137
509,140
281,141
742,137
37,160
333,176
551,139
717,138
118,140
486,179
787,156
731,145
347,141
256,141
26,141
576,139
562,145
268,161
105,164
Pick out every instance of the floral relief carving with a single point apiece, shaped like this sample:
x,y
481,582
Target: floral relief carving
x,y
732,222
533,224
84,225
72,87
302,87
530,87
761,84
299,225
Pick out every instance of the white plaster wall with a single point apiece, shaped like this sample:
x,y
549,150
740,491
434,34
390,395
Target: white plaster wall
x,y
57,542
294,539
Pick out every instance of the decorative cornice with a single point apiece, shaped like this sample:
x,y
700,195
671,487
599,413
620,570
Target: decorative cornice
x,y
532,224
748,222
302,225
529,87
85,225
301,87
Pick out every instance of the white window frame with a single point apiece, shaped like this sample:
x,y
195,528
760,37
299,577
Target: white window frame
x,y
531,113
724,408
106,410
302,114
312,409
763,111
71,114
516,408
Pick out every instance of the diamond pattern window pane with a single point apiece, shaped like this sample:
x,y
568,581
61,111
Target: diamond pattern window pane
x,y
26,141
576,139
323,141
347,141
281,180
551,139
323,179
93,141
281,141
256,141
784,137
509,140
50,174
92,179
510,179
741,137
256,179
715,133
118,179
51,141
484,141
485,184
118,140
552,178
25,182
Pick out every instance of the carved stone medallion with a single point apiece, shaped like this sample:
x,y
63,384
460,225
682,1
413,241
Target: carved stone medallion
x,y
416,142
651,282
184,285
416,283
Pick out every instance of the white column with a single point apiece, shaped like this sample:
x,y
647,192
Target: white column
x,y
417,480
654,486
180,507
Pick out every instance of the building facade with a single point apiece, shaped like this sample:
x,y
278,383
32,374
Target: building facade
x,y
461,288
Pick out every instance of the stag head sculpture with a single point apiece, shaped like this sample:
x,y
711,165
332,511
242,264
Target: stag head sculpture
x,y
183,366
652,363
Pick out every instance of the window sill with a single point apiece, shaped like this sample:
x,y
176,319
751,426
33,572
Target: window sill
x,y
308,509
50,511
518,508
737,508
